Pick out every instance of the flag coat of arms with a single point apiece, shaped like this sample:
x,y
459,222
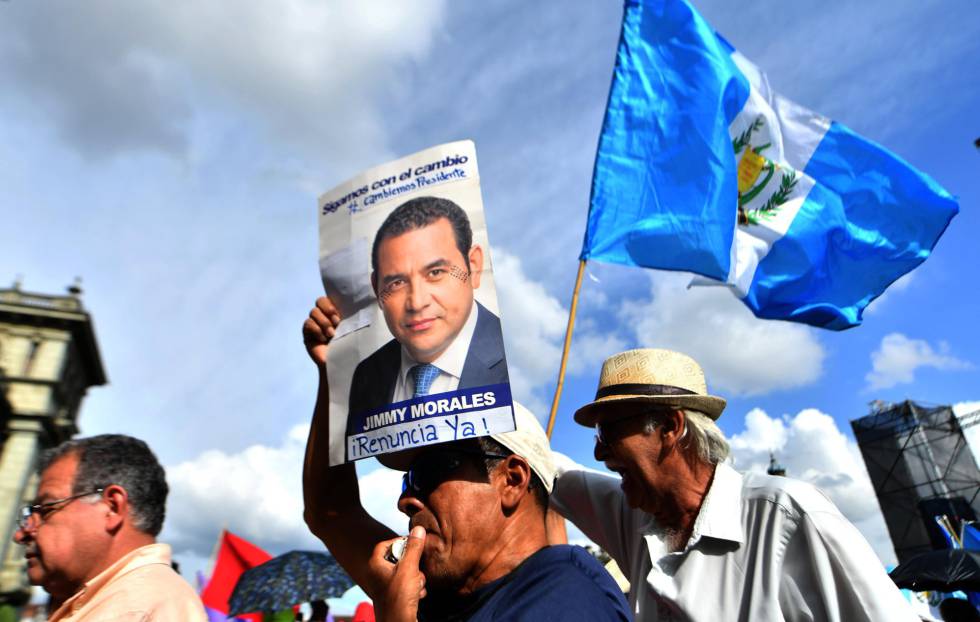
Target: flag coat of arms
x,y
702,167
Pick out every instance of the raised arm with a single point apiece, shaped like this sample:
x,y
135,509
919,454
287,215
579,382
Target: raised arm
x,y
333,509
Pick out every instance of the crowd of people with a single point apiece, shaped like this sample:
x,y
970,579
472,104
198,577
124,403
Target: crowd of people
x,y
696,539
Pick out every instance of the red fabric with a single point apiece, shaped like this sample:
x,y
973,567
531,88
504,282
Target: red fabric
x,y
235,556
364,613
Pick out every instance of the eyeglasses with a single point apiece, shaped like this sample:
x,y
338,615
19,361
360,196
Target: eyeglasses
x,y
433,468
611,431
43,510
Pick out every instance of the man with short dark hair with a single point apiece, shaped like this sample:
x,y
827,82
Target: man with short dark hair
x,y
696,539
478,546
425,269
90,535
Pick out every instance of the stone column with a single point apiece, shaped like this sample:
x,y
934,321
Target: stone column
x,y
17,463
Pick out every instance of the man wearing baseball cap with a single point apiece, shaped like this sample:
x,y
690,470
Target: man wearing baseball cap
x,y
696,539
478,545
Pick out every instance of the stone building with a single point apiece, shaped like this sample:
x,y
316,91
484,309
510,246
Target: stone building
x,y
49,358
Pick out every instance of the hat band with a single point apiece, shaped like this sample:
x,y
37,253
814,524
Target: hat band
x,y
635,388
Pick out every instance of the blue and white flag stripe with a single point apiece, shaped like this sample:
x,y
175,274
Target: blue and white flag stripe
x,y
856,220
664,149
802,218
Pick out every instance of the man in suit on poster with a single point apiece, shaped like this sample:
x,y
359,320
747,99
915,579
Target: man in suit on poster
x,y
425,269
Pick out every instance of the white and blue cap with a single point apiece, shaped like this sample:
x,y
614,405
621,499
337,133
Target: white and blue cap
x,y
528,441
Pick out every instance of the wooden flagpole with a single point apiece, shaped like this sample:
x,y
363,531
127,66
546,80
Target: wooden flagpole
x,y
215,551
568,342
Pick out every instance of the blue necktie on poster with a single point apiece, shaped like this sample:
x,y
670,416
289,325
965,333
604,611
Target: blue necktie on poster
x,y
423,375
702,168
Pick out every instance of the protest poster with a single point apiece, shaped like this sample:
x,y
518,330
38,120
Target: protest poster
x,y
418,357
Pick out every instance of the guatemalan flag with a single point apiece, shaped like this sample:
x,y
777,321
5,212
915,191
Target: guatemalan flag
x,y
701,167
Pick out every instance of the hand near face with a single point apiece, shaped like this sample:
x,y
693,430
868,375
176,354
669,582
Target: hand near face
x,y
319,329
405,587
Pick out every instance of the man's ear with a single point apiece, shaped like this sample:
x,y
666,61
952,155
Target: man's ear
x,y
673,428
117,499
374,285
476,265
515,475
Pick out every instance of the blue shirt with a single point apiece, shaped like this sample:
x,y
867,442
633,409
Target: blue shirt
x,y
557,583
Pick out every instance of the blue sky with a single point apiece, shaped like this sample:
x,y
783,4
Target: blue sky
x,y
170,154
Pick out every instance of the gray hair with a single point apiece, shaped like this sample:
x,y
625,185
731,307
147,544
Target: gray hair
x,y
705,441
122,460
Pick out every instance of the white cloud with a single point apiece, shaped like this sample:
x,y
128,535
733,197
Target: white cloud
x,y
127,77
898,357
739,353
534,325
971,431
380,490
534,330
762,433
257,494
812,448
590,348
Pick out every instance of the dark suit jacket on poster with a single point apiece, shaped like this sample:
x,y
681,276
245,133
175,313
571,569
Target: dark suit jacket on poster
x,y
375,377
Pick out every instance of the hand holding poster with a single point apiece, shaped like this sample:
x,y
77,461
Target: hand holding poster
x,y
418,357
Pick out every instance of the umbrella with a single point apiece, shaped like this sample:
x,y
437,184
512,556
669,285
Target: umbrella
x,y
947,570
287,580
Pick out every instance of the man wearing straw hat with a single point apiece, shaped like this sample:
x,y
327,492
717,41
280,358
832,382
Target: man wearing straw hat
x,y
696,539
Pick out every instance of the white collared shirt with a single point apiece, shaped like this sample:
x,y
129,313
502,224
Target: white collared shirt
x,y
762,548
450,363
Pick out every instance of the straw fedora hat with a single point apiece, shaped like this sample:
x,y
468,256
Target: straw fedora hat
x,y
649,376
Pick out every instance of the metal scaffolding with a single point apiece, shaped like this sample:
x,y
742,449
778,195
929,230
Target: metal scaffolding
x,y
921,467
